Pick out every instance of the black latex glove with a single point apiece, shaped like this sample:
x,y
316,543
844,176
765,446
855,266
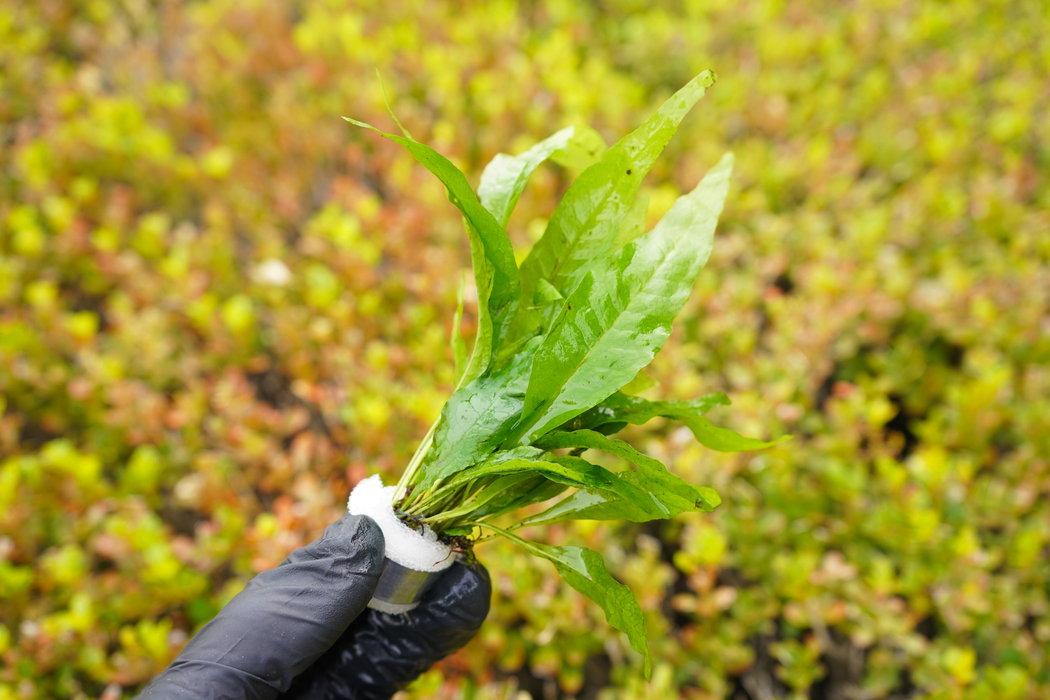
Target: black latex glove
x,y
303,625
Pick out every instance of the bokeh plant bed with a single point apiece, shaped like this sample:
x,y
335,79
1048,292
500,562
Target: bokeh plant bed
x,y
219,310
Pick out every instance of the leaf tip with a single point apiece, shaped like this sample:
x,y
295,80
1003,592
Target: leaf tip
x,y
709,499
363,125
707,78
725,164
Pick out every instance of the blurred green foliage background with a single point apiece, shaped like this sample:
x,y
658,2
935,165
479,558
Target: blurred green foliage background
x,y
221,306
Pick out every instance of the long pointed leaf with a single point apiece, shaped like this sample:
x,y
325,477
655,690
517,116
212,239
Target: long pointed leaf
x,y
570,471
596,441
481,492
619,317
584,570
478,417
536,489
675,494
620,409
658,481
503,180
583,227
499,285
585,504
459,348
484,280
724,439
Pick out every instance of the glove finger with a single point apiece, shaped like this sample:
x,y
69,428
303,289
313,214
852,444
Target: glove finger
x,y
282,621
380,654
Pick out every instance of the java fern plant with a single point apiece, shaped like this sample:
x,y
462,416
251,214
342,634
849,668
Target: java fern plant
x,y
557,340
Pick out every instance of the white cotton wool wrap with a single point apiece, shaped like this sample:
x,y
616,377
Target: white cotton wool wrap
x,y
419,551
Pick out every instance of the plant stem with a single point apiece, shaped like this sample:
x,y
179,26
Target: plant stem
x,y
440,503
417,459
416,462
433,497
451,515
505,533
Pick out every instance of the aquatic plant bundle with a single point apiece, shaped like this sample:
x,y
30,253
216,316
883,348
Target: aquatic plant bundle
x,y
557,341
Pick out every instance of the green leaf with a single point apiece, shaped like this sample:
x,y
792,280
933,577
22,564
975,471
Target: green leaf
x,y
584,226
502,183
709,498
459,348
591,440
494,495
675,494
532,320
535,488
724,439
595,441
588,505
633,224
546,294
479,493
484,280
641,382
623,485
586,147
584,504
457,531
620,315
584,570
619,409
570,471
504,178
494,267
478,417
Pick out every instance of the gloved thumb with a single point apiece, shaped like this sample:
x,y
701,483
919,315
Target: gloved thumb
x,y
282,621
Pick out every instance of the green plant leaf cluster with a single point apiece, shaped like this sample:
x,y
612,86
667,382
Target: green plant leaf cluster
x,y
591,306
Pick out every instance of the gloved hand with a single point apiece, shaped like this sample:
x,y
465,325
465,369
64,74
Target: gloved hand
x,y
301,629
